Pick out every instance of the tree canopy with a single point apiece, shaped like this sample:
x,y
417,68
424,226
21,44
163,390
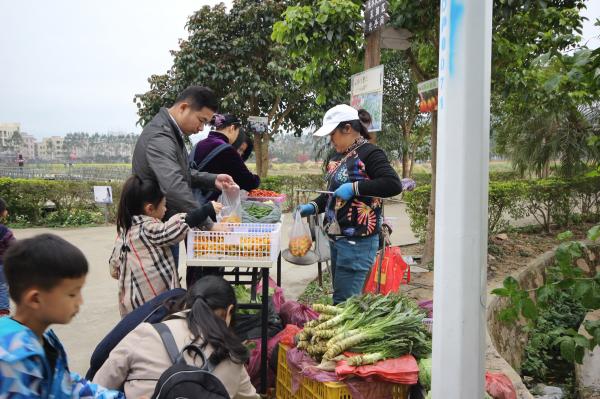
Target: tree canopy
x,y
232,53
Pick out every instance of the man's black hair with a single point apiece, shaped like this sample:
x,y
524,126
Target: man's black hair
x,y
41,261
199,97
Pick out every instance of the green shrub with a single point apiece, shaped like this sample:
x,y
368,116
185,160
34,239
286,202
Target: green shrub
x,y
543,360
417,202
75,200
26,197
422,179
75,217
548,201
504,200
505,176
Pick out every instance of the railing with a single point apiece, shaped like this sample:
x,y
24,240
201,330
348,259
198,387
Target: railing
x,y
108,173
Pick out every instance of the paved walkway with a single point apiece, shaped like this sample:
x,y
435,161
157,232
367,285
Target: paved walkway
x,y
99,312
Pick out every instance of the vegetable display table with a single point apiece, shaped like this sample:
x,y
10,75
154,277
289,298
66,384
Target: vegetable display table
x,y
238,246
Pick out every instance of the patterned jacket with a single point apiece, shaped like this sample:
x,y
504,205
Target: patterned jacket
x,y
368,169
25,370
142,260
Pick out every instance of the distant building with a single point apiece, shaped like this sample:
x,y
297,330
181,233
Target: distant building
x,y
51,149
79,147
28,146
7,131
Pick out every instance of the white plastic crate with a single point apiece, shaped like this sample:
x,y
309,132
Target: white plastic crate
x,y
240,242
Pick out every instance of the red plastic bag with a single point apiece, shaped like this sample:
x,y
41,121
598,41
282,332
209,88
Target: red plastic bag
x,y
293,312
403,370
277,296
499,386
288,334
393,269
253,366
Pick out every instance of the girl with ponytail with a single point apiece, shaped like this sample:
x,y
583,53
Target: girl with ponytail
x,y
142,260
138,361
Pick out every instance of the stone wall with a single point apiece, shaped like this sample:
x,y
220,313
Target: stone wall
x,y
509,340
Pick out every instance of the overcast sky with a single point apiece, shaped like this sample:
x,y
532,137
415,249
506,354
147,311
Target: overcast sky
x,y
72,65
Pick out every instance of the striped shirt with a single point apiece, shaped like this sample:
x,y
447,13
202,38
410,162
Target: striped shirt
x,y
142,260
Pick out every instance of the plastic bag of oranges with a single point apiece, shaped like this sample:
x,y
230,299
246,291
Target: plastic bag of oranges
x,y
232,206
300,238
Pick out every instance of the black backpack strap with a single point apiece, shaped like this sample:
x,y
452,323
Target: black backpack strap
x,y
168,340
211,155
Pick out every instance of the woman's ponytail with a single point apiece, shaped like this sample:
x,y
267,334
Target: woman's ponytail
x,y
208,294
366,121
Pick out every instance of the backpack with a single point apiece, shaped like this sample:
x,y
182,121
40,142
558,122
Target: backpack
x,y
202,195
153,311
185,381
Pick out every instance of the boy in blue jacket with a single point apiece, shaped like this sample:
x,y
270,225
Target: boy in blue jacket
x,y
45,275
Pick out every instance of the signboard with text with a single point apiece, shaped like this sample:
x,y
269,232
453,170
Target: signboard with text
x,y
367,92
103,194
376,15
258,124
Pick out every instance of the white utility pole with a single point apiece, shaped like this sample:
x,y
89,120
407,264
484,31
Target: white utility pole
x,y
462,199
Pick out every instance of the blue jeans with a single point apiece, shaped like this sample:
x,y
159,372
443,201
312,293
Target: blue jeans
x,y
351,260
4,301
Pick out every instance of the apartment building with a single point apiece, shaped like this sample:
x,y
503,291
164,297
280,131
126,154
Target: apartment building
x,y
51,149
28,146
7,130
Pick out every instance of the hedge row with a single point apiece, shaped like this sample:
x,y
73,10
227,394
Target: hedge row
x,y
74,201
548,201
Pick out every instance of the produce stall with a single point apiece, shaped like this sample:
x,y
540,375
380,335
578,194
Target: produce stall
x,y
367,347
253,246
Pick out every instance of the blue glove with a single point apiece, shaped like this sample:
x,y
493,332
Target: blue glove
x,y
306,209
345,191
408,184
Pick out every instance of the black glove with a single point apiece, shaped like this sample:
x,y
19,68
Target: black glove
x,y
198,216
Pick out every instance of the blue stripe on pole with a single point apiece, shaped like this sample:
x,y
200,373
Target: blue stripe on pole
x,y
456,12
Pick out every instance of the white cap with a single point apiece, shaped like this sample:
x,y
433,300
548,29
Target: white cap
x,y
333,117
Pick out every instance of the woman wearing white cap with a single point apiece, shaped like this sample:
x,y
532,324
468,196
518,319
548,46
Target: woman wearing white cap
x,y
360,175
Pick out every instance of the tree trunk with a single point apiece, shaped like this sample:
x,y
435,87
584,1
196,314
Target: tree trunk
x,y
412,154
412,164
405,163
405,157
261,149
428,250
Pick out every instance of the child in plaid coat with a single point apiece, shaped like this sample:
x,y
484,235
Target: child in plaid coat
x,y
142,260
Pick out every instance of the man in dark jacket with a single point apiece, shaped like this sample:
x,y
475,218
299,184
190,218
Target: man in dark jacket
x,y
160,153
